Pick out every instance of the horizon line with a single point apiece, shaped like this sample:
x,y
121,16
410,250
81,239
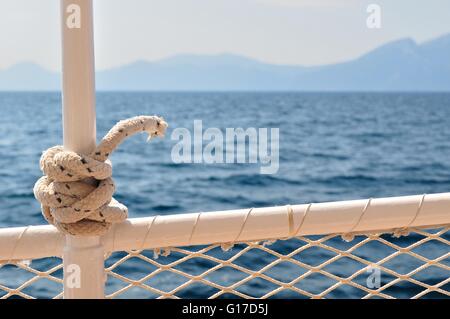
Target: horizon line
x,y
248,91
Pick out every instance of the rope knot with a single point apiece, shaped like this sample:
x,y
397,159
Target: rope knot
x,y
76,190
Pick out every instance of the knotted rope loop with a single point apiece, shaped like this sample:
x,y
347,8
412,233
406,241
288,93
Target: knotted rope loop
x,y
76,190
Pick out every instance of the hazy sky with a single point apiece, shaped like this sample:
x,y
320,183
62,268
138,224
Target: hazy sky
x,y
304,32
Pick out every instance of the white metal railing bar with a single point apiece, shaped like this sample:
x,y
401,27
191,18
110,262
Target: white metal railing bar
x,y
382,215
79,134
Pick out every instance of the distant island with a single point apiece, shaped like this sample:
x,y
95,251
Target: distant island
x,y
401,65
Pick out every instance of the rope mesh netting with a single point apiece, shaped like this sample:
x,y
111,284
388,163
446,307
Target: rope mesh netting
x,y
369,266
38,278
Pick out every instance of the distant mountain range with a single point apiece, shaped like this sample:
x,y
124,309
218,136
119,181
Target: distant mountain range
x,y
401,65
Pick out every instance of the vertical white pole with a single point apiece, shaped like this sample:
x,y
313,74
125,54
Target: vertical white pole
x,y
83,256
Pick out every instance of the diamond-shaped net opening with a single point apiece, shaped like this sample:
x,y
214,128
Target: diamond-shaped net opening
x,y
369,266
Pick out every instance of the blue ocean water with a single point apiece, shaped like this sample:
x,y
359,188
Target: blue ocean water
x,y
333,146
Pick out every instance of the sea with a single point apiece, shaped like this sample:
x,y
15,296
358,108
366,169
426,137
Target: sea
x,y
332,147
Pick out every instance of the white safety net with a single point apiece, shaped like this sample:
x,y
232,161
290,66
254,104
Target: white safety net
x,y
368,266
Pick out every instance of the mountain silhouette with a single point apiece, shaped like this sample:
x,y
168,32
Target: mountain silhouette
x,y
401,65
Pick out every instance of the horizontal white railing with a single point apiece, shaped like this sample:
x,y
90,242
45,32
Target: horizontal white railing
x,y
356,216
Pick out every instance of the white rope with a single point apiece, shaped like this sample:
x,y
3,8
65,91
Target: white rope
x,y
68,200
305,213
404,231
227,246
349,236
194,227
16,243
150,225
290,215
